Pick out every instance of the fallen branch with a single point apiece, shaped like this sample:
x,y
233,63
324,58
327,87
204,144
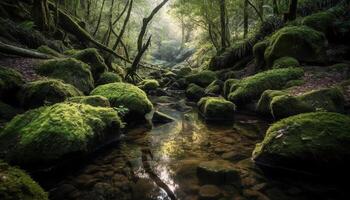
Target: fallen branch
x,y
13,50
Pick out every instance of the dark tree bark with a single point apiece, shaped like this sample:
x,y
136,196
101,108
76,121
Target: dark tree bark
x,y
223,25
275,7
99,18
41,15
245,19
292,12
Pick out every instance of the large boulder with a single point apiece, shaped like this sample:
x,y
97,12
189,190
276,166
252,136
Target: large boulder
x,y
70,71
252,87
194,92
310,141
10,83
127,96
216,109
203,78
300,42
263,105
15,184
46,92
321,21
108,77
93,59
49,134
215,88
97,101
285,62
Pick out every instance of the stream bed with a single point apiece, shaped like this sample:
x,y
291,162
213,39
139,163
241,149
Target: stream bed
x,y
162,163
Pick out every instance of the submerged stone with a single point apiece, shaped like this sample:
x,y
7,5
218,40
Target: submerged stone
x,y
217,172
312,141
15,184
128,96
216,109
48,134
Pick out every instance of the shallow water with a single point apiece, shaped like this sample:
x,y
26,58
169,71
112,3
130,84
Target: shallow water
x,y
162,164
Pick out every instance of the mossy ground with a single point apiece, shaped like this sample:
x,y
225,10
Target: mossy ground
x,y
15,184
47,134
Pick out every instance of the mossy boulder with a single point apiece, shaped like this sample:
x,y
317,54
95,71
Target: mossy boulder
x,y
310,141
7,112
293,83
329,99
93,59
97,101
203,78
108,77
46,92
215,88
216,109
47,50
300,42
10,83
263,106
230,83
285,62
15,184
149,85
184,71
49,134
70,71
258,52
127,96
252,87
321,21
194,92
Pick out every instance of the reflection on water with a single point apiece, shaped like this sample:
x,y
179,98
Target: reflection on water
x,y
173,152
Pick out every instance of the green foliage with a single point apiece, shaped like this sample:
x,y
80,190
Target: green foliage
x,y
15,184
128,96
70,71
194,92
108,77
97,101
308,140
203,78
46,92
47,134
216,109
252,87
285,62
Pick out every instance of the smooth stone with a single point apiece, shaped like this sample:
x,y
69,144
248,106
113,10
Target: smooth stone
x,y
209,192
217,172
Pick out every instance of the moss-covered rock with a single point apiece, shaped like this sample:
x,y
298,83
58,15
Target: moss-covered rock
x,y
127,96
300,42
10,83
108,77
184,71
230,83
310,141
149,85
321,21
263,106
293,83
258,52
97,101
47,50
329,99
94,59
49,134
215,88
194,92
252,87
70,71
203,78
46,92
15,184
7,112
216,109
285,62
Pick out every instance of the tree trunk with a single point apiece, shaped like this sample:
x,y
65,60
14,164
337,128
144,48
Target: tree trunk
x,y
223,25
13,50
41,15
292,12
99,18
245,19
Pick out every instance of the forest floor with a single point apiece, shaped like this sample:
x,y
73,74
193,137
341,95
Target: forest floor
x,y
26,66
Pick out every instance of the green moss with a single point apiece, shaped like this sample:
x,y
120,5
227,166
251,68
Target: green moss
x,y
7,112
293,83
128,96
184,71
300,42
108,77
47,50
321,21
286,105
263,106
93,59
214,88
46,92
15,184
194,92
230,83
70,52
149,84
203,78
70,71
216,109
97,101
252,87
47,134
308,140
285,62
258,52
10,82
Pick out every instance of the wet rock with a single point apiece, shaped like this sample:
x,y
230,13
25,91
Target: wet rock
x,y
216,109
209,192
217,172
161,118
145,189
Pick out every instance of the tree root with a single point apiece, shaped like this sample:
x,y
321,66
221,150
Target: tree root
x,y
13,50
